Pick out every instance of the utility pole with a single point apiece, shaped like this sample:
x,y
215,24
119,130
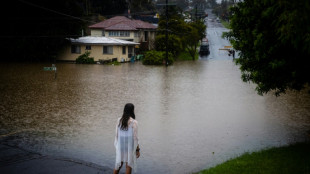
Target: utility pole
x,y
196,13
166,32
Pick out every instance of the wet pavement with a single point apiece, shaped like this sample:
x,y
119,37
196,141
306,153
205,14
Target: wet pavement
x,y
14,160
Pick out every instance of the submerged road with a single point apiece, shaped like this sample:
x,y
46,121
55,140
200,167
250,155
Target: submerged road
x,y
214,34
192,115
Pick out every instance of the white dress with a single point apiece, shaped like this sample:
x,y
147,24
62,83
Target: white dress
x,y
126,143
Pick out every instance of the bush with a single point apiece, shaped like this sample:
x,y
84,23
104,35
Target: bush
x,y
114,63
85,59
157,58
174,44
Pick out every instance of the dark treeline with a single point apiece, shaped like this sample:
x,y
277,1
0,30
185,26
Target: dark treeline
x,y
36,30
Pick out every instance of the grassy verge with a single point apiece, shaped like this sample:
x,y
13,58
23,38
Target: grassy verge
x,y
225,24
186,56
283,160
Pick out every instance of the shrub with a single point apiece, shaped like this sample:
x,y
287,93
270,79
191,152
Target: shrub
x,y
114,63
157,58
174,44
85,59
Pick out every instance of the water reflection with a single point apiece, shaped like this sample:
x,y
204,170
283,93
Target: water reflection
x,y
192,115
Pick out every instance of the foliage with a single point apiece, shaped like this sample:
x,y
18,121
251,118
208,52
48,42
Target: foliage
x,y
273,38
222,9
114,63
195,32
211,3
201,28
85,59
186,56
106,7
181,35
280,160
174,44
37,30
225,24
199,2
157,58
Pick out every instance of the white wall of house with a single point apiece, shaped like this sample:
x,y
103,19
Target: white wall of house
x,y
96,32
96,52
135,36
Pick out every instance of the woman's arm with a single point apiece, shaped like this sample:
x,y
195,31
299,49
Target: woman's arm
x,y
136,139
116,132
135,132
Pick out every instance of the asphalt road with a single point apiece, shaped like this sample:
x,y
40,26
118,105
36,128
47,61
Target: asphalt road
x,y
214,34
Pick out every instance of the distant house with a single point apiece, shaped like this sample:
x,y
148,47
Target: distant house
x,y
101,48
121,27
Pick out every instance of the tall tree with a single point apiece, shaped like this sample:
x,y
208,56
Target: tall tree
x,y
211,3
195,32
36,30
273,38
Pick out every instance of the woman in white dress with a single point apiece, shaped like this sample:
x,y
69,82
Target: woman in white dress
x,y
126,141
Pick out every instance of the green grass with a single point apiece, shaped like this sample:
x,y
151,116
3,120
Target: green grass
x,y
225,24
187,56
293,159
114,63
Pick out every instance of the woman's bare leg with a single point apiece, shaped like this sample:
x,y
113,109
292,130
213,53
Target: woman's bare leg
x,y
128,169
116,171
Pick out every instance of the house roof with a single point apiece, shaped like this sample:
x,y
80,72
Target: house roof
x,y
122,23
101,41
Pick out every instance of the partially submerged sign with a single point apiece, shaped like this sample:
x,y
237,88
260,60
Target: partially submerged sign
x,y
52,68
49,68
226,48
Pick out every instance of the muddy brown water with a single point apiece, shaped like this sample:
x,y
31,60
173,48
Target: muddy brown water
x,y
192,115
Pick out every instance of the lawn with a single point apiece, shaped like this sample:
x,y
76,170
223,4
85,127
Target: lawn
x,y
293,159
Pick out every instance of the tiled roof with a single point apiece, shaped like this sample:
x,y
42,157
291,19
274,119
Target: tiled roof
x,y
121,26
122,23
101,41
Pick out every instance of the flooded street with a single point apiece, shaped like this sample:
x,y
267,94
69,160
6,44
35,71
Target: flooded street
x,y
192,115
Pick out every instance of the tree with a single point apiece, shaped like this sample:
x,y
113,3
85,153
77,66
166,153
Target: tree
x,y
211,3
108,7
138,6
174,44
192,41
273,38
36,30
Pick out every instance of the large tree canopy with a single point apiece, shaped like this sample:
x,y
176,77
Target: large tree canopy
x,y
35,30
273,38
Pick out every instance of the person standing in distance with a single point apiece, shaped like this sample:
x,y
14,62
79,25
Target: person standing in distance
x,y
126,141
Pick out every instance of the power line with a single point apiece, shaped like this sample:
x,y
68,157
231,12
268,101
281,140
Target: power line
x,y
38,36
57,12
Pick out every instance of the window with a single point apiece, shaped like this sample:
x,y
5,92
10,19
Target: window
x,y
137,33
88,47
124,49
107,49
113,33
124,33
103,33
119,33
76,49
130,51
146,37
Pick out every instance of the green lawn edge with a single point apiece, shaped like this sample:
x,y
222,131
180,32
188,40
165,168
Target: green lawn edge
x,y
291,159
226,24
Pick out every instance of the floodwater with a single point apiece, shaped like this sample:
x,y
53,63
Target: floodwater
x,y
192,115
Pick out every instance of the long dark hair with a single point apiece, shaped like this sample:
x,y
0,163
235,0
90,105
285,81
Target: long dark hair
x,y
128,112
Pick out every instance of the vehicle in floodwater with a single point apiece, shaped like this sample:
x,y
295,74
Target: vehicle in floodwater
x,y
204,47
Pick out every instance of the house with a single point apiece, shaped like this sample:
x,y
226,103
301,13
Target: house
x,y
101,48
121,27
